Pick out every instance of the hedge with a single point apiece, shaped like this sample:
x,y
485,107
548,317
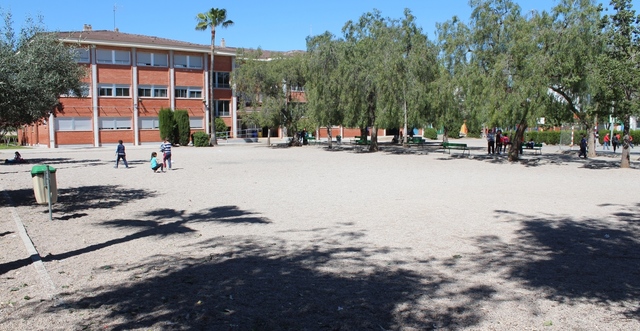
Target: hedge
x,y
201,139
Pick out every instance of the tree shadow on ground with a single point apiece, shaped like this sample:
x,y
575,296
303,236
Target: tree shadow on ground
x,y
573,260
163,223
72,201
77,199
265,285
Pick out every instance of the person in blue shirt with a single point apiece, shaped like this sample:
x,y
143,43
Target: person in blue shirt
x,y
121,155
155,165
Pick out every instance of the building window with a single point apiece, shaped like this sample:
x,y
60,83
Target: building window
x,y
115,123
152,59
222,108
113,90
189,92
107,56
152,92
84,89
81,55
187,61
149,123
222,80
196,122
73,124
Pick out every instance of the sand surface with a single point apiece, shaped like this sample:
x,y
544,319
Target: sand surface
x,y
248,237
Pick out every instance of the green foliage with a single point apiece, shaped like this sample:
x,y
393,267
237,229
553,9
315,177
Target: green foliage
x,y
167,125
431,133
221,127
35,69
184,128
201,139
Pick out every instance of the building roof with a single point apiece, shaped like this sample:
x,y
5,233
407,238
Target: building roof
x,y
120,39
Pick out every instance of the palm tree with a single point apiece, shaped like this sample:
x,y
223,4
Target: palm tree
x,y
213,18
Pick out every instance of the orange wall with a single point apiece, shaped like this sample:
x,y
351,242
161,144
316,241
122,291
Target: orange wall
x,y
187,77
114,74
112,136
153,76
222,63
150,136
74,138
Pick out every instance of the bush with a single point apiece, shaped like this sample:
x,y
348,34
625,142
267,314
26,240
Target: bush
x,y
184,129
201,139
431,133
221,127
168,127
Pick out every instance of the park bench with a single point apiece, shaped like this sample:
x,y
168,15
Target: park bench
x,y
415,141
536,148
358,140
449,146
311,140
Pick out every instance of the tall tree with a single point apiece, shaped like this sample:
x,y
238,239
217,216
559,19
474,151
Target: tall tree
x,y
323,86
572,43
212,19
35,69
619,67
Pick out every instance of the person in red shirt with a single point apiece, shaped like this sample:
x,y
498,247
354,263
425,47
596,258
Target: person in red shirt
x,y
606,141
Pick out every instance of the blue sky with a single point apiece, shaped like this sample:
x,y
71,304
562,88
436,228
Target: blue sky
x,y
278,25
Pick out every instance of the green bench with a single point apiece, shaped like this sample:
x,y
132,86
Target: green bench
x,y
449,146
358,140
311,140
537,147
415,141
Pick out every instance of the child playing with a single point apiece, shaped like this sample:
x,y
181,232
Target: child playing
x,y
155,165
120,154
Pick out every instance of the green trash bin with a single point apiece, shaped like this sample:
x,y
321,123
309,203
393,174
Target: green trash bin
x,y
38,173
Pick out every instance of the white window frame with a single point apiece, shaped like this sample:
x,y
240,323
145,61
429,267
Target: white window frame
x,y
220,105
187,61
145,121
192,92
85,92
114,123
220,78
112,56
154,91
196,122
82,55
154,59
114,89
73,124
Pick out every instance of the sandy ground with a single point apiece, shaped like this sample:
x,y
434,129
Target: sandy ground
x,y
247,237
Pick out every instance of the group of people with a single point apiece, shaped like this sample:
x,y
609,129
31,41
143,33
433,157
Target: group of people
x,y
614,141
497,142
165,149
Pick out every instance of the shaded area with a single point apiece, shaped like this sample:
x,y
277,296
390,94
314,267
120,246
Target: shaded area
x,y
577,260
14,265
162,223
76,199
261,286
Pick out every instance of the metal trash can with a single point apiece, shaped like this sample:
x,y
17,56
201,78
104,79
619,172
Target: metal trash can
x,y
339,139
38,173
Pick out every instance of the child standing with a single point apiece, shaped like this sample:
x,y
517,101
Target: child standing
x,y
165,148
155,165
121,155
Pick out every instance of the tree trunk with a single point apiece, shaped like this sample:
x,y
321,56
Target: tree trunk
x,y
374,139
445,134
625,162
329,133
214,139
268,136
591,134
518,139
